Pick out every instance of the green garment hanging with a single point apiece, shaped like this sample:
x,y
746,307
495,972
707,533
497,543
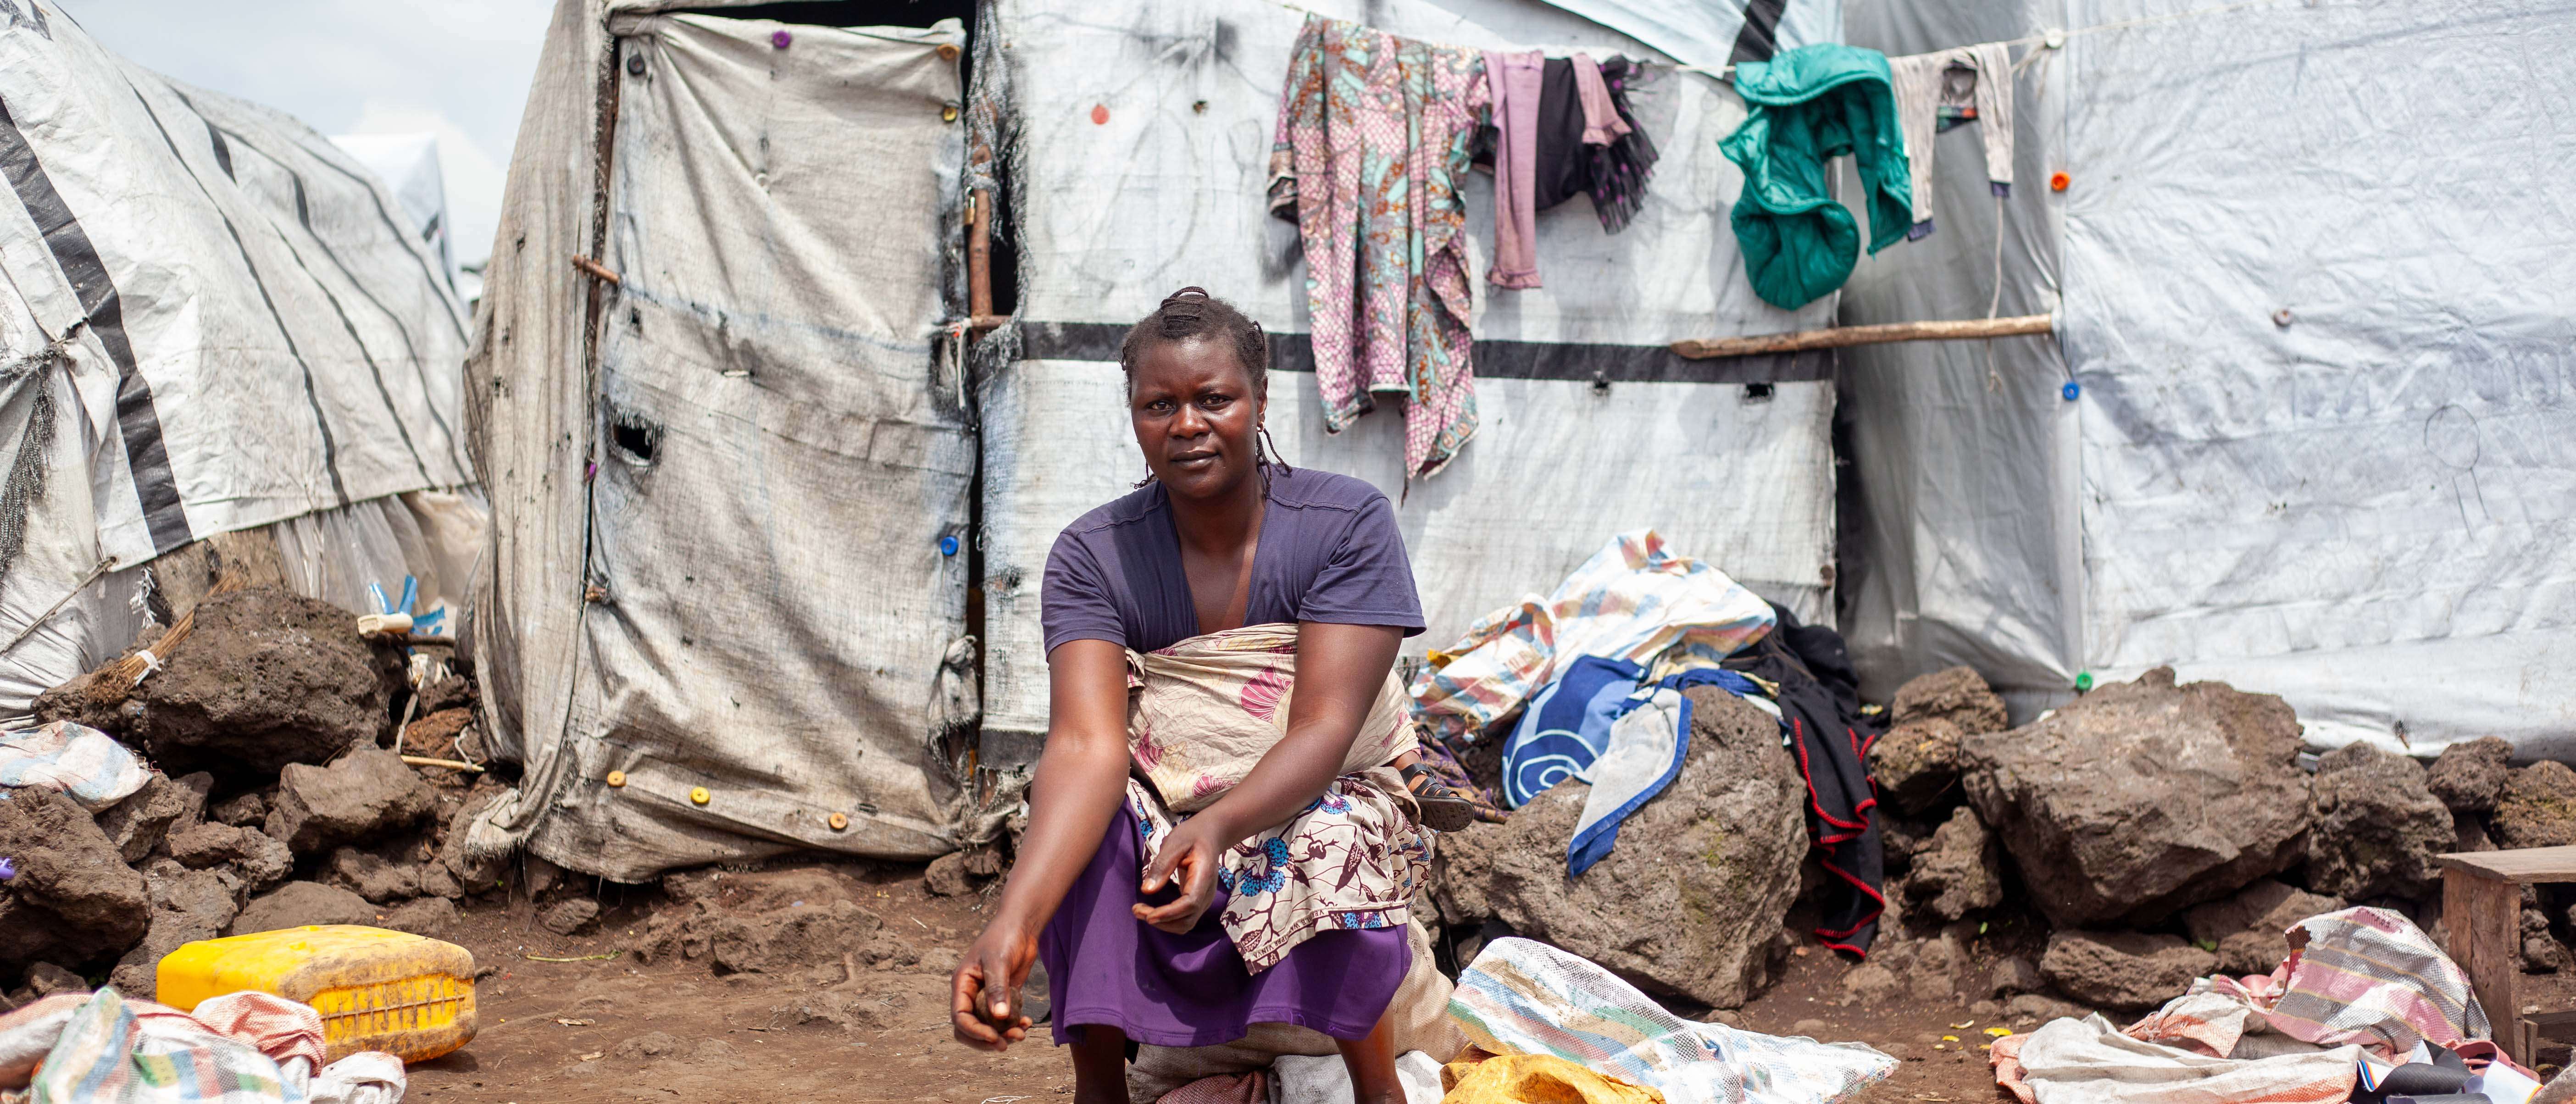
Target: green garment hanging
x,y
1808,106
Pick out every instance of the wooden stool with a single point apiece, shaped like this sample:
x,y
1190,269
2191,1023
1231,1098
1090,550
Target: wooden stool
x,y
2482,907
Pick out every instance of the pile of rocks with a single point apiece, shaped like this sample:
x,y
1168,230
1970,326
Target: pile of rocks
x,y
277,803
2156,832
2167,831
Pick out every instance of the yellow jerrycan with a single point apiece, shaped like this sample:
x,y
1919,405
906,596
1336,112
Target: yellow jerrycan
x,y
407,995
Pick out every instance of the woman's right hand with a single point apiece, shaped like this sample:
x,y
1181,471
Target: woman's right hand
x,y
984,992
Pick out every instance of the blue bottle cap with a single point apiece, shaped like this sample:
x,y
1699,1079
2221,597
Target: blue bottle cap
x,y
948,545
2072,391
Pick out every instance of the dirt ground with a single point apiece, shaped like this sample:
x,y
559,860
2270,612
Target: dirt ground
x,y
616,1029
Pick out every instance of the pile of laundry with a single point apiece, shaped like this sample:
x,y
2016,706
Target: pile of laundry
x,y
241,1048
2365,1008
1596,672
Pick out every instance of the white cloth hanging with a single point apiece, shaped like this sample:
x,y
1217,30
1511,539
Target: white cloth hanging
x,y
1924,83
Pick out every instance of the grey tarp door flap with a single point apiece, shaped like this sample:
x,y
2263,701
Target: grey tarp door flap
x,y
782,479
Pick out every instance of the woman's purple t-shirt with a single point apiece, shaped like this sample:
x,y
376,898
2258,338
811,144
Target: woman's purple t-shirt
x,y
1329,552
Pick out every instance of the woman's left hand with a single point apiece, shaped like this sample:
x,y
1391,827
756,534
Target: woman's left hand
x,y
1188,860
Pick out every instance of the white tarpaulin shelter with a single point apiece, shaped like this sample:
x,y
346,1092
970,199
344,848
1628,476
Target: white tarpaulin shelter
x,y
213,321
2310,284
733,491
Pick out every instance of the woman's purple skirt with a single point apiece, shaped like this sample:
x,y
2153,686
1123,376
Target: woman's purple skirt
x,y
1104,966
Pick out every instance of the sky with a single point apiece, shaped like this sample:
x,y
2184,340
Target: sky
x,y
458,69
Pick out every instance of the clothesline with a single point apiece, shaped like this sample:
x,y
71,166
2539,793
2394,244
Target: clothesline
x,y
2051,39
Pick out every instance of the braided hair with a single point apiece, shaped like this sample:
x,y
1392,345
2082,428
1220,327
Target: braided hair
x,y
1192,313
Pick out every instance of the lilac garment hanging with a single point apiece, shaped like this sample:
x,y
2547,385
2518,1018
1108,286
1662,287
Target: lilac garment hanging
x,y
1601,122
1516,80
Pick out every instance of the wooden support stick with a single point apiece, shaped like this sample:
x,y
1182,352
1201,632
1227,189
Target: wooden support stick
x,y
451,764
596,269
1841,336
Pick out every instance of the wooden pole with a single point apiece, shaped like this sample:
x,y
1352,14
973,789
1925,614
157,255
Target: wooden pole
x,y
1841,336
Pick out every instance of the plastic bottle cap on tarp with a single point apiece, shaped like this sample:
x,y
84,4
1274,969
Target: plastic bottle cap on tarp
x,y
2083,681
947,51
948,545
698,795
838,821
617,780
2057,181
2072,391
779,40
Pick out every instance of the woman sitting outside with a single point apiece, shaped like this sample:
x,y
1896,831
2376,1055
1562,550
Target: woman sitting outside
x,y
1184,932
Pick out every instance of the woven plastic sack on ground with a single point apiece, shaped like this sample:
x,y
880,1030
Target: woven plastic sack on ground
x,y
1525,997
1633,600
2087,1060
84,763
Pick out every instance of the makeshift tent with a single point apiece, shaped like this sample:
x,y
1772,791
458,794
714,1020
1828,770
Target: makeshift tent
x,y
734,457
214,322
2318,328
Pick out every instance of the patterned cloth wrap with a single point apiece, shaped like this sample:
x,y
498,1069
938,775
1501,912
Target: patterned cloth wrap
x,y
1633,600
1200,714
87,765
1369,158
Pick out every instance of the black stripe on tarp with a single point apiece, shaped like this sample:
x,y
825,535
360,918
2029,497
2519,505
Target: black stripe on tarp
x,y
1760,36
436,281
1494,359
304,218
428,395
147,456
223,152
312,399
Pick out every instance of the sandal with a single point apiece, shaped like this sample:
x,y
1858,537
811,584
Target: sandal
x,y
1443,809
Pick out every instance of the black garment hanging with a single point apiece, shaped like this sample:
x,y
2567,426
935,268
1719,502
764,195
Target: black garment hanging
x,y
1564,167
1820,705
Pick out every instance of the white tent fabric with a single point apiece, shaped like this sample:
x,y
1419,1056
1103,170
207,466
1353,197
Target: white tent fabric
x,y
1168,190
1706,35
227,323
2321,352
760,477
408,164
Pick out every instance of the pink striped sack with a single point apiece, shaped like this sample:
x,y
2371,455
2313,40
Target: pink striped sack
x,y
2368,976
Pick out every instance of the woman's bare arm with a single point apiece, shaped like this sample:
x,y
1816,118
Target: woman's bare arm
x,y
1340,669
1081,781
